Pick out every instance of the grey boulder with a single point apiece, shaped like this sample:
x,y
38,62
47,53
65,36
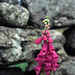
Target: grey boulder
x,y
18,44
66,68
61,12
10,1
65,18
13,15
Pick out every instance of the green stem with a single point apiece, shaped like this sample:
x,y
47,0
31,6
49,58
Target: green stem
x,y
45,28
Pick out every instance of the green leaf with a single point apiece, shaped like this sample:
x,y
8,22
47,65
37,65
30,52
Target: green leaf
x,y
20,65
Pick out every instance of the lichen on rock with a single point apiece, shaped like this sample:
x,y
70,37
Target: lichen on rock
x,y
13,15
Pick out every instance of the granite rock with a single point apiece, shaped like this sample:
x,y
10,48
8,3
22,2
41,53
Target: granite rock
x,y
65,18
18,44
61,12
13,15
10,1
66,68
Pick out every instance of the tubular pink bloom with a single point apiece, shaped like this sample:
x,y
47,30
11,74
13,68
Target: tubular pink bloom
x,y
55,55
55,67
45,38
38,69
51,48
39,40
55,60
44,48
40,59
50,39
46,25
43,33
40,53
49,56
47,31
48,63
48,34
47,71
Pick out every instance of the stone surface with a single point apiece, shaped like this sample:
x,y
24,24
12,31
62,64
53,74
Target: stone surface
x,y
11,71
18,44
65,18
10,1
70,41
61,12
66,68
13,15
62,55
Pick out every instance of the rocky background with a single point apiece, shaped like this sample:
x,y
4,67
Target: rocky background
x,y
21,24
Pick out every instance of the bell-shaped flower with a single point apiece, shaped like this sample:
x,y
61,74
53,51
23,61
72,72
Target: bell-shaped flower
x,y
40,58
45,38
49,56
44,48
38,69
55,55
51,48
50,39
48,34
39,40
48,63
43,33
55,60
48,27
55,67
47,31
47,71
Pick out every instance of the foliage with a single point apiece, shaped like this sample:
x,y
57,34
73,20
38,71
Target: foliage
x,y
20,65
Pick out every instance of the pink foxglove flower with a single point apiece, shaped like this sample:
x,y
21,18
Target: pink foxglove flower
x,y
48,63
38,69
51,47
40,58
39,40
47,71
43,33
48,34
50,40
55,67
47,57
45,38
55,55
47,31
44,48
46,25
